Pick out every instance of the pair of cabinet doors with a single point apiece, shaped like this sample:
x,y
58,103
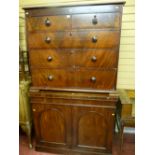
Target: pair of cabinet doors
x,y
74,126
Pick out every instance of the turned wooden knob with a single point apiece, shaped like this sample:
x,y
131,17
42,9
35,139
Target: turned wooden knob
x,y
47,22
94,39
93,58
94,20
50,77
93,79
49,58
47,39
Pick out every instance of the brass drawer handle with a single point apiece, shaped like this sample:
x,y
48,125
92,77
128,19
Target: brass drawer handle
x,y
49,58
94,39
50,77
113,114
94,20
93,58
48,40
47,22
93,79
34,110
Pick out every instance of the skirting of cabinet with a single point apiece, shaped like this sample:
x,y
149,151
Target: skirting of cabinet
x,y
67,151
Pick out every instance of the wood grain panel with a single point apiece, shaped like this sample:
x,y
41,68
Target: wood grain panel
x,y
44,11
57,124
75,39
101,58
104,20
72,78
127,29
93,128
57,131
39,23
89,120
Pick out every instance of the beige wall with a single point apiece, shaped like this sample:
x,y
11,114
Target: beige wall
x,y
126,71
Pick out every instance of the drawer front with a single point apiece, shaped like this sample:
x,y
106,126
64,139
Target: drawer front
x,y
74,39
106,58
98,20
60,78
49,58
49,23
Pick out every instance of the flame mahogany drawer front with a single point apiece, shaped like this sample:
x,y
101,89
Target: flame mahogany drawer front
x,y
60,58
80,21
98,20
74,39
74,78
49,23
73,58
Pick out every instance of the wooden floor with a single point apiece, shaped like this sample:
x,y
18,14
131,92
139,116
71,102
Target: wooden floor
x,y
128,146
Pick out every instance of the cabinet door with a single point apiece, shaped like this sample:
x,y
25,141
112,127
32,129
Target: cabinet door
x,y
52,124
93,128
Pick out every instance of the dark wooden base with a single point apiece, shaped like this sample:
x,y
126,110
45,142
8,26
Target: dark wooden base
x,y
66,151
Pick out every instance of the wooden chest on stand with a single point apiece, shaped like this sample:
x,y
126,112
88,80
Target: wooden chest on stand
x,y
73,58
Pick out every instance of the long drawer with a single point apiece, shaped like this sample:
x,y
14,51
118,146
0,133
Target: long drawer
x,y
74,39
56,58
74,78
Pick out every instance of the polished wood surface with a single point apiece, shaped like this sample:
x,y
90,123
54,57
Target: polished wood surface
x,y
69,78
74,39
45,11
93,128
73,57
61,58
84,124
97,20
80,21
48,23
53,131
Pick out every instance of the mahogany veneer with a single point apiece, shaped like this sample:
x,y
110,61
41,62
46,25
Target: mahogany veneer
x,y
73,58
62,58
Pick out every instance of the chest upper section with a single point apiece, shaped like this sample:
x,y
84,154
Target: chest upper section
x,y
74,46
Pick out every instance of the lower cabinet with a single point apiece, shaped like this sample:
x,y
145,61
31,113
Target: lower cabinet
x,y
66,125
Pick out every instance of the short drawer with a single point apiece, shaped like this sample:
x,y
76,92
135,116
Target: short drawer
x,y
49,23
98,20
74,39
50,58
82,78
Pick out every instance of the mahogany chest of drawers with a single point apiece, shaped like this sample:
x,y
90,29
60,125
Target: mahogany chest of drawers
x,y
73,58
